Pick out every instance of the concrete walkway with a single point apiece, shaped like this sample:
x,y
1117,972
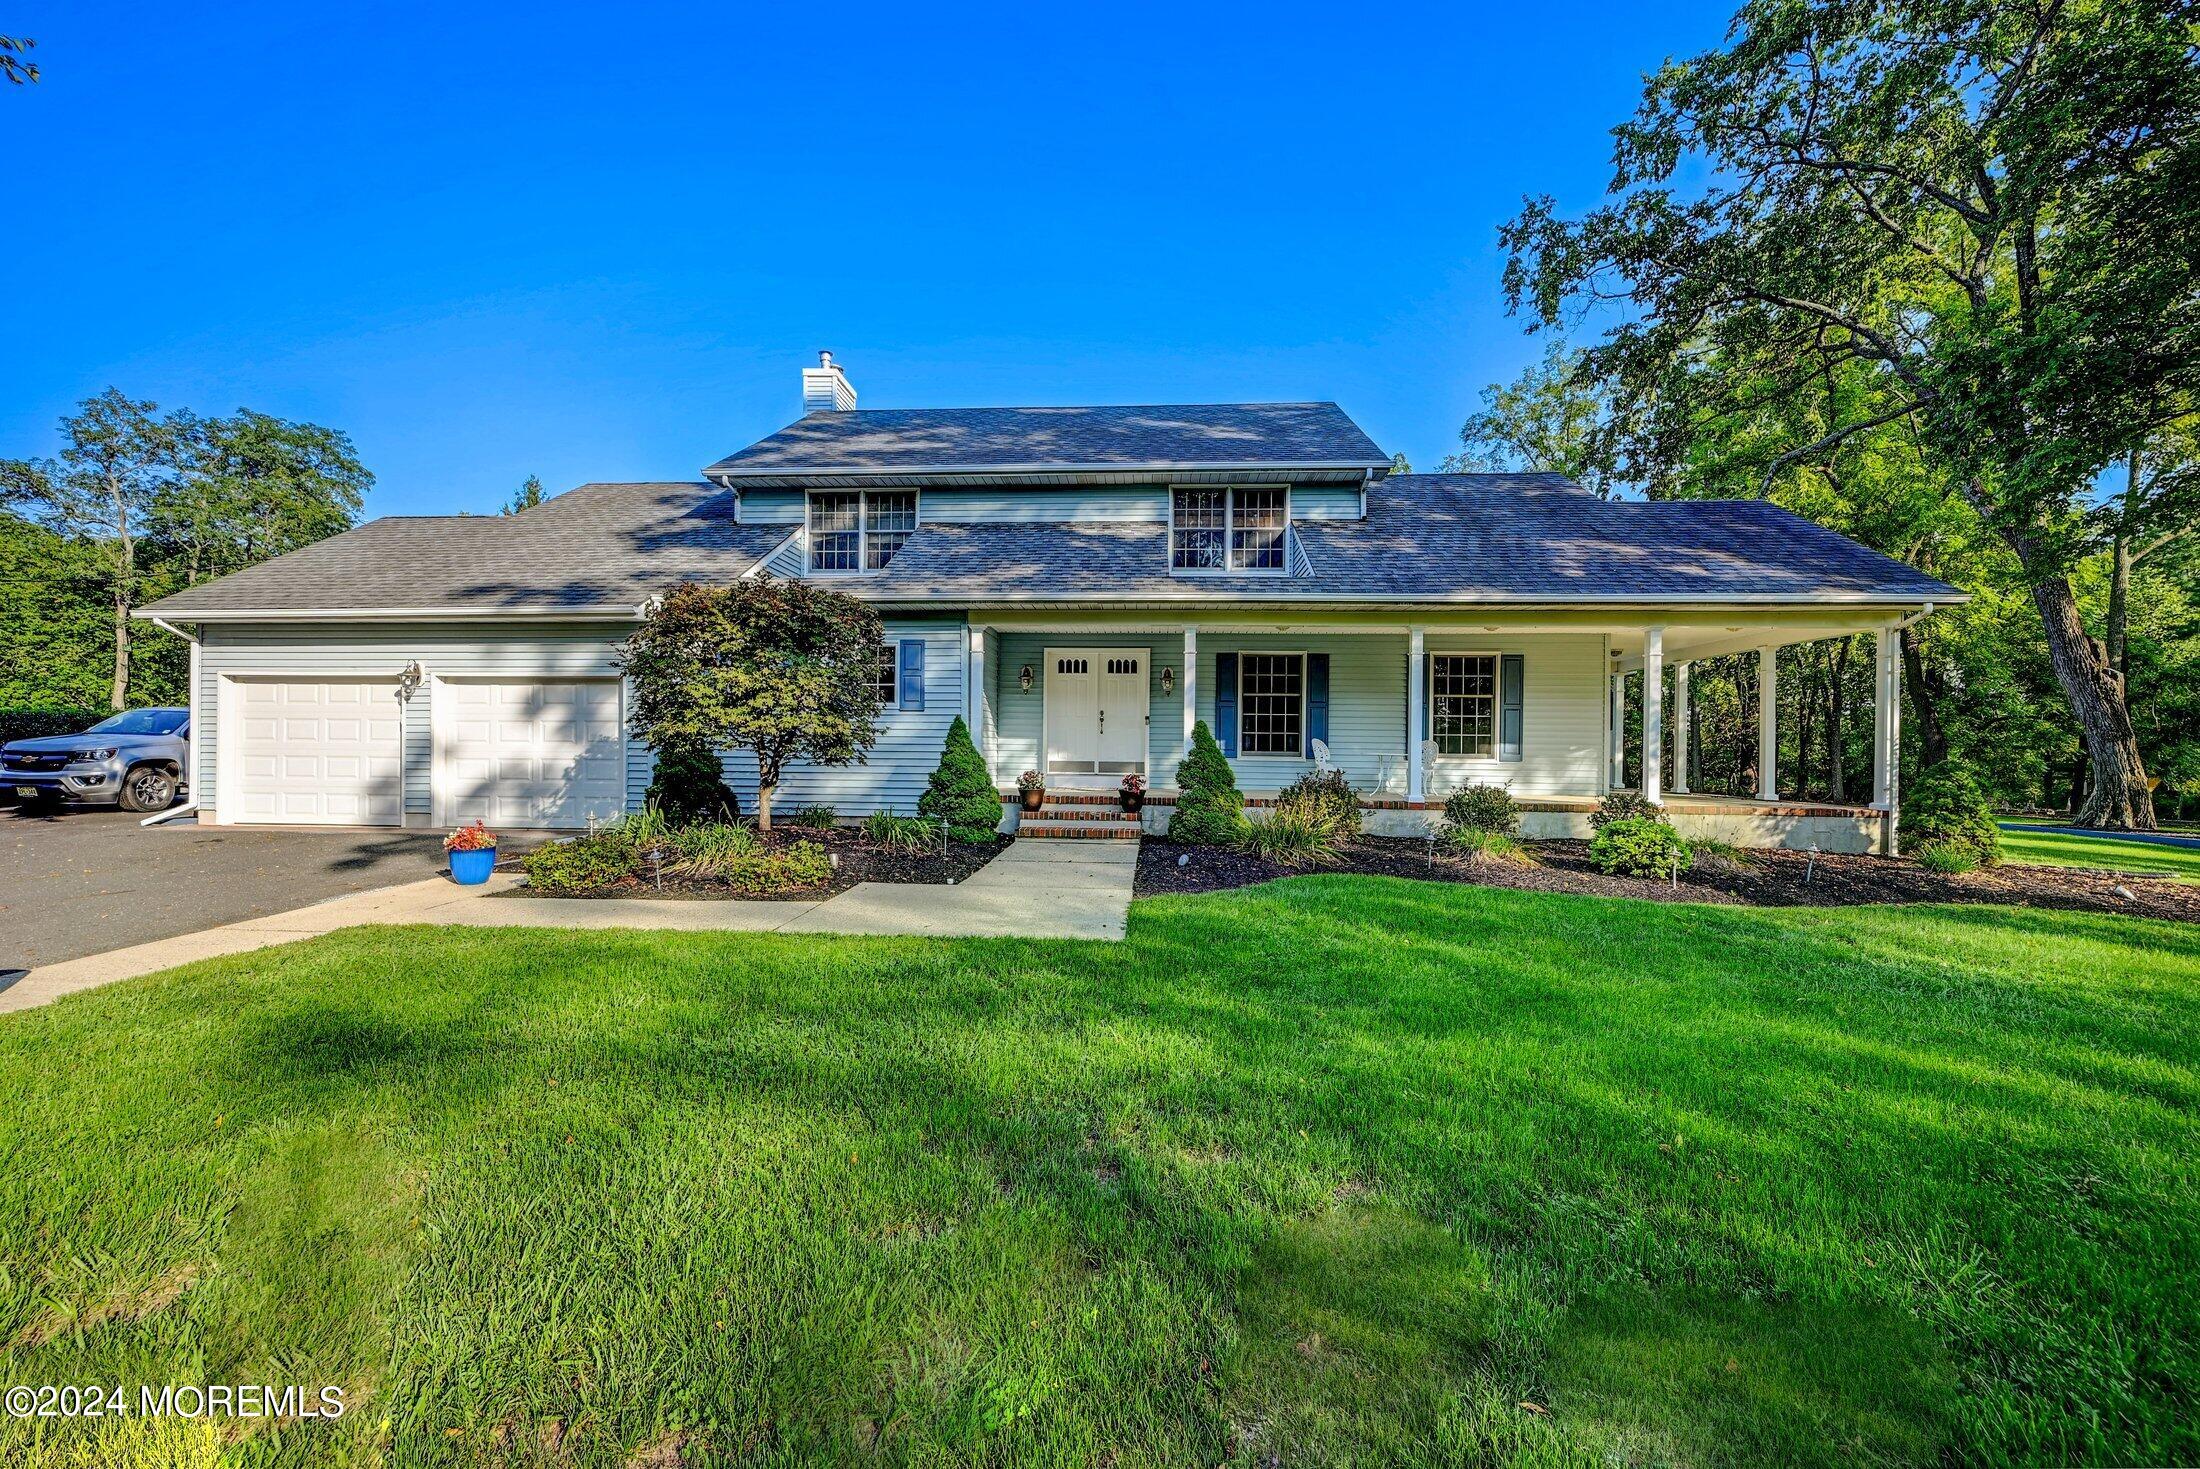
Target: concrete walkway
x,y
1035,889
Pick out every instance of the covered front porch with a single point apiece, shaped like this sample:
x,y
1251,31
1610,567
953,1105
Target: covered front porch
x,y
1409,711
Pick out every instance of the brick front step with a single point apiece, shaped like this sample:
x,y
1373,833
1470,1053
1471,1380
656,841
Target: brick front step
x,y
1052,812
1120,831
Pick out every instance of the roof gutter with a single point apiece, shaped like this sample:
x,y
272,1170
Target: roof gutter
x,y
725,474
387,614
191,700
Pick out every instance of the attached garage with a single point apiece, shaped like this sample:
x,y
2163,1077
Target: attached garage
x,y
322,752
529,752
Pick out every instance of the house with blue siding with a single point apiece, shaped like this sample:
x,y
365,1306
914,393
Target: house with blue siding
x,y
1081,584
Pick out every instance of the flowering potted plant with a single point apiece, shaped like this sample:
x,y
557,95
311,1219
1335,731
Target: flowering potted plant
x,y
473,850
1031,789
1132,795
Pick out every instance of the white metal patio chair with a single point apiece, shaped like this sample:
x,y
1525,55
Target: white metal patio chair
x,y
1320,751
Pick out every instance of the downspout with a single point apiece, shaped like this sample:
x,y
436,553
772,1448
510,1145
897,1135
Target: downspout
x,y
191,699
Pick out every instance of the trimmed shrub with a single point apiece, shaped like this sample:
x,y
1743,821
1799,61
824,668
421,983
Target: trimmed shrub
x,y
1210,811
709,849
962,792
788,869
900,833
1944,807
1638,846
1480,807
812,818
586,865
1328,796
1300,835
689,787
1479,845
1626,806
1946,858
38,724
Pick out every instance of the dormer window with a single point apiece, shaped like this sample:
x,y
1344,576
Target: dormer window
x,y
859,530
1228,529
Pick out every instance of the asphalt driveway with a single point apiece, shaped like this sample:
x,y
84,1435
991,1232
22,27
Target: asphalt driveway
x,y
83,881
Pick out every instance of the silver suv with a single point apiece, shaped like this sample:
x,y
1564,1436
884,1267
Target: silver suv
x,y
136,760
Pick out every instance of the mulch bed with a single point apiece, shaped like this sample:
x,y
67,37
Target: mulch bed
x,y
858,861
1766,878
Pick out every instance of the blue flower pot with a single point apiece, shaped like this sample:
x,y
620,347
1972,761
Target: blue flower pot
x,y
472,868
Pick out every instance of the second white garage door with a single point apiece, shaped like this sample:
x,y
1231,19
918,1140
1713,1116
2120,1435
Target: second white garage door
x,y
533,753
320,751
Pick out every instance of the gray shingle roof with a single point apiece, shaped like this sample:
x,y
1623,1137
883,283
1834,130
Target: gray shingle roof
x,y
601,547
1488,538
1057,439
1491,538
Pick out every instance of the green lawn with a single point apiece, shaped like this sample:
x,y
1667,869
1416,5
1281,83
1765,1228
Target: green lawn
x,y
1340,1170
2056,849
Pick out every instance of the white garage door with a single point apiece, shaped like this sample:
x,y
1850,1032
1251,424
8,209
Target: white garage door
x,y
530,754
326,751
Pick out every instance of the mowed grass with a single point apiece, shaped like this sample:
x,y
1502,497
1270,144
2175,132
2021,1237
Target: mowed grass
x,y
1337,1170
2058,849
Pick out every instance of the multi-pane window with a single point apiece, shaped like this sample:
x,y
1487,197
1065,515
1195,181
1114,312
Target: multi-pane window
x,y
859,530
885,676
1228,530
1463,703
1272,703
1200,531
1256,529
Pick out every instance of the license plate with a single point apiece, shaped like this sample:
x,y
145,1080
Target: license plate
x,y
25,792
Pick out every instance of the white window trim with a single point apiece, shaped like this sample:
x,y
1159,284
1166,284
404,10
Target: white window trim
x,y
863,529
1299,653
1497,701
1229,525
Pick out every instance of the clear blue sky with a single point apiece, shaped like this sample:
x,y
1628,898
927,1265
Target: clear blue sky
x,y
489,240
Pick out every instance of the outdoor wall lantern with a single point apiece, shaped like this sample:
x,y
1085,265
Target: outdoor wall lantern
x,y
408,680
1023,679
1168,681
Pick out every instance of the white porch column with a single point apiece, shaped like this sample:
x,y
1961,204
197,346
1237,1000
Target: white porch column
x,y
1682,714
1768,713
1887,736
1619,730
1653,712
1416,701
1191,683
974,692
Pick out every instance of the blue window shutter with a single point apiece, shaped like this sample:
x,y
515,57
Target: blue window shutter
x,y
1508,706
1317,698
1226,702
912,673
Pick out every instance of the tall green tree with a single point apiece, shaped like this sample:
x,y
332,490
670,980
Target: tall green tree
x,y
252,486
782,669
526,497
116,460
1990,211
1554,418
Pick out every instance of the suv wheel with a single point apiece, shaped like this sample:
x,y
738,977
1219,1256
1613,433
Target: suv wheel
x,y
148,788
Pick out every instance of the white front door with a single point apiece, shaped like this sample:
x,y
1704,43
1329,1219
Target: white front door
x,y
1096,713
325,752
542,753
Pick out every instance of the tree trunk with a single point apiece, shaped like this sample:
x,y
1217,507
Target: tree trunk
x,y
1924,698
125,574
2119,799
764,790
